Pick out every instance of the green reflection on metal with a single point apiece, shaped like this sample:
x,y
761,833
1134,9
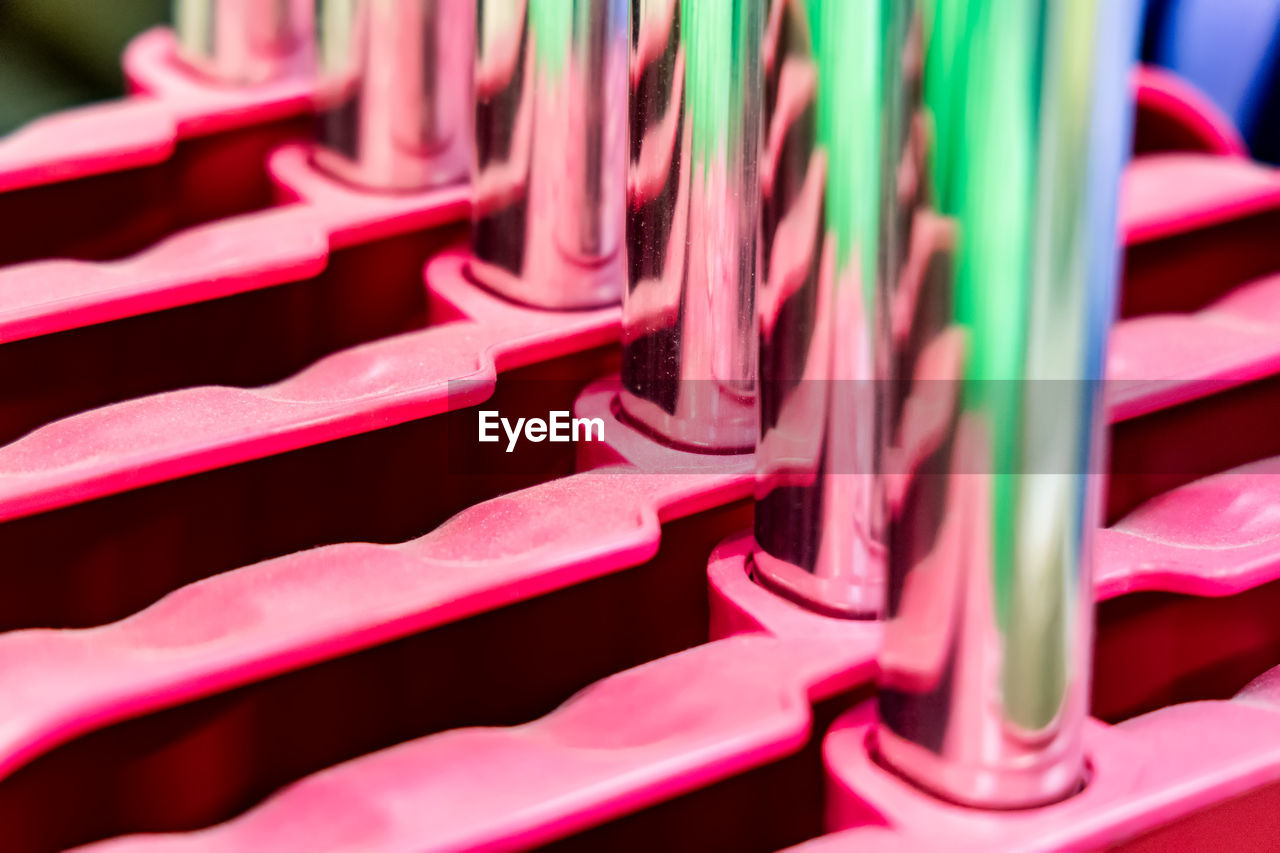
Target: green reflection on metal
x,y
716,35
848,45
552,22
1008,84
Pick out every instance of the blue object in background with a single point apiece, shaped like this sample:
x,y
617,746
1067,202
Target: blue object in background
x,y
1230,50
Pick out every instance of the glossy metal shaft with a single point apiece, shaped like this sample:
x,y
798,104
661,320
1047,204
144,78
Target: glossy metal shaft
x,y
1015,133
245,41
395,94
689,355
549,176
819,516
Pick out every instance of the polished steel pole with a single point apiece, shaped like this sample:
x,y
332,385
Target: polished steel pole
x,y
395,91
245,41
549,173
689,351
1015,132
819,513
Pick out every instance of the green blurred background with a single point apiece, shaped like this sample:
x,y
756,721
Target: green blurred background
x,y
56,53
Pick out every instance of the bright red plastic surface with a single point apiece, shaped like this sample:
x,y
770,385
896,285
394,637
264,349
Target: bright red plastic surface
x,y
171,103
1195,333
1145,774
376,385
1174,115
684,721
287,612
220,258
643,735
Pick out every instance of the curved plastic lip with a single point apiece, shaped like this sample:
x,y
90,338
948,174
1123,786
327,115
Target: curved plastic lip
x,y
238,627
170,103
1136,778
1145,773
632,442
710,712
1225,345
1164,93
184,647
751,685
1172,193
252,251
148,440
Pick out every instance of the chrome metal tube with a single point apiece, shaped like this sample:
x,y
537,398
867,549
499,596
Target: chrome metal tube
x,y
689,355
245,41
819,512
999,315
395,91
549,174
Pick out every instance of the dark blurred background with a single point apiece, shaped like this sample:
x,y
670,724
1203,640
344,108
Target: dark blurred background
x,y
56,53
